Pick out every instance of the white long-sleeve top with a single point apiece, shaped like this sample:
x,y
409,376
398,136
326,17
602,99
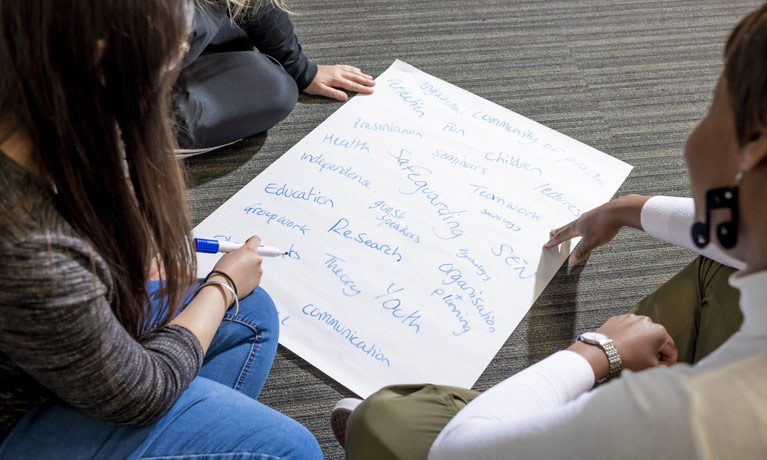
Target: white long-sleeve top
x,y
716,409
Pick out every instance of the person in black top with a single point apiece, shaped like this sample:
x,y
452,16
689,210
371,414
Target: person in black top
x,y
227,90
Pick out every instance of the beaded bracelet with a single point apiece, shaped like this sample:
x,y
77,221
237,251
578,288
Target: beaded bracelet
x,y
228,278
225,286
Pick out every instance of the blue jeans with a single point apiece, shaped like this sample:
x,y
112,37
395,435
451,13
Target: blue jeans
x,y
217,417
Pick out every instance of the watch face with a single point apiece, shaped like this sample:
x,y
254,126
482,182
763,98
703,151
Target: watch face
x,y
593,337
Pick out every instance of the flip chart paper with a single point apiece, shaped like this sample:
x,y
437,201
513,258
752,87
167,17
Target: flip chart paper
x,y
415,218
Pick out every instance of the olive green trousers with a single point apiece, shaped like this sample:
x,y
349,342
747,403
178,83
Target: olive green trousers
x,y
698,307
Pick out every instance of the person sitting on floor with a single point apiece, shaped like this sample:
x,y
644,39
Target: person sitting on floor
x,y
94,361
698,392
227,90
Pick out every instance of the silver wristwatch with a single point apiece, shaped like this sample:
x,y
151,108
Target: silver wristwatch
x,y
607,345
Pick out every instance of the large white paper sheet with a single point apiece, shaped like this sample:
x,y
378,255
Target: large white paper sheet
x,y
415,217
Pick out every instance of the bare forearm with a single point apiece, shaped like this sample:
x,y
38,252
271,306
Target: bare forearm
x,y
628,210
596,358
204,313
236,273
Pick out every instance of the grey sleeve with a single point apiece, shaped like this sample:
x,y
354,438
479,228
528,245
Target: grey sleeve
x,y
57,325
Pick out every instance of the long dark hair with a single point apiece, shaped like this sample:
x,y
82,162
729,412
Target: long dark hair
x,y
87,82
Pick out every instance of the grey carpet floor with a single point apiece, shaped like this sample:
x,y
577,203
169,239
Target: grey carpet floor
x,y
630,78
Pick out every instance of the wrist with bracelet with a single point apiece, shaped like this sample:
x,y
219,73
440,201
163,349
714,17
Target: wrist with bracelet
x,y
231,287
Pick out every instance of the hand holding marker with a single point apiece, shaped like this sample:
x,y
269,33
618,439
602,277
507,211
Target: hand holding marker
x,y
215,246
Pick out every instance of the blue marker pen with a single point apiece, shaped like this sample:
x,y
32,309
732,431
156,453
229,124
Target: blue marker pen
x,y
215,246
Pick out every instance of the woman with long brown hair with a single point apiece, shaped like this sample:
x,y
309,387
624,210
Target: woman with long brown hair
x,y
94,361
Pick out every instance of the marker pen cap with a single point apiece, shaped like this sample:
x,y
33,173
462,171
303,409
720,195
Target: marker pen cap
x,y
208,246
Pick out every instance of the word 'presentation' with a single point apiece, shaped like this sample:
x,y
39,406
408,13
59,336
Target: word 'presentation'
x,y
415,219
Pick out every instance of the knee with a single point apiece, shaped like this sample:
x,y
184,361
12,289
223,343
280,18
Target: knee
x,y
267,95
402,421
223,97
258,309
369,424
302,443
280,94
240,424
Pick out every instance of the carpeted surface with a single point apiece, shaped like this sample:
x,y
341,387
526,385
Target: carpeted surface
x,y
630,78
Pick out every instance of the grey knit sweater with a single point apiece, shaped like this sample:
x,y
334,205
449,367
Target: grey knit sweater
x,y
59,339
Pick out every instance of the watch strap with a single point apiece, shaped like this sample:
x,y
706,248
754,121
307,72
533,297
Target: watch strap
x,y
613,358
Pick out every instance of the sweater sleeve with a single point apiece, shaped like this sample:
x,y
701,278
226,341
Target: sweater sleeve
x,y
541,416
57,326
271,31
546,385
670,219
